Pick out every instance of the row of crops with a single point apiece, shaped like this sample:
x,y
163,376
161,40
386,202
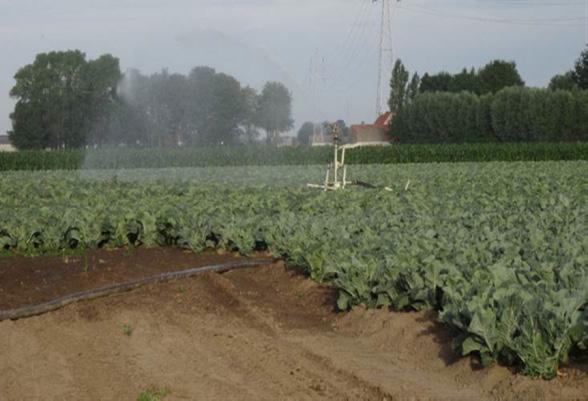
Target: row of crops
x,y
499,250
266,155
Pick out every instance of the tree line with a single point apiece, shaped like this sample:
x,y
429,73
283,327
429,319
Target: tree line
x,y
514,114
491,78
576,78
490,104
64,101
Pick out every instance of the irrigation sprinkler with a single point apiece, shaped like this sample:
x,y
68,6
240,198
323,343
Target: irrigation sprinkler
x,y
336,177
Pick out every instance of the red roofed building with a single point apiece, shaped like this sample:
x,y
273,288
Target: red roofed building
x,y
373,134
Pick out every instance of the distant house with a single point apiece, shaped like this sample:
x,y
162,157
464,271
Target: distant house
x,y
5,145
374,134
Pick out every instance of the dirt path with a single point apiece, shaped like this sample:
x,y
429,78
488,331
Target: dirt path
x,y
254,334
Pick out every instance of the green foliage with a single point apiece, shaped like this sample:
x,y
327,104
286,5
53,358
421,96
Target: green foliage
x,y
60,97
514,114
65,101
491,78
398,87
498,75
203,108
159,103
305,133
526,115
253,155
216,107
412,90
580,72
153,394
274,113
498,249
436,83
563,82
127,329
467,81
249,131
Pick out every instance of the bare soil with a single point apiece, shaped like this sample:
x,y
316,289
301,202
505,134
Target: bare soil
x,y
27,281
255,334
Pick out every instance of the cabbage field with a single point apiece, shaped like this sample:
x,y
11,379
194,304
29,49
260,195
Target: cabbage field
x,y
499,250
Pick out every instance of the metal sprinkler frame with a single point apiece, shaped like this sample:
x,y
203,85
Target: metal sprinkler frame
x,y
338,179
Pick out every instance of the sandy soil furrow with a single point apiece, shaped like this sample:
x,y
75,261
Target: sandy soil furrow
x,y
256,334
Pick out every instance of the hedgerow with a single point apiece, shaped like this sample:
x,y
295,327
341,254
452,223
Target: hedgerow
x,y
512,115
127,158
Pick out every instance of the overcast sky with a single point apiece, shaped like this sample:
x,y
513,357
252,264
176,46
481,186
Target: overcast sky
x,y
325,51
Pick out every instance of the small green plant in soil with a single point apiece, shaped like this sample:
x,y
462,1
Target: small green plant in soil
x,y
127,329
153,394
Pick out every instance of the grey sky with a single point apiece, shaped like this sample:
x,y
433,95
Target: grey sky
x,y
324,50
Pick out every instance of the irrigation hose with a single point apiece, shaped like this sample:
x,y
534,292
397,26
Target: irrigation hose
x,y
34,310
372,186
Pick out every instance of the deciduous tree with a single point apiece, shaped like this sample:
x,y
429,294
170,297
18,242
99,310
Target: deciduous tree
x,y
491,78
305,133
60,97
398,87
435,83
563,82
580,72
274,112
497,75
413,88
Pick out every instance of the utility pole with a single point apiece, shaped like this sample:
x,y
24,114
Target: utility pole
x,y
384,47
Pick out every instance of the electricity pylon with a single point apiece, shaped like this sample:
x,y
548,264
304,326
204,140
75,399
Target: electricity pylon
x,y
385,47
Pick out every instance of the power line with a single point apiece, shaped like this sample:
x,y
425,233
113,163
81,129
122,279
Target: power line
x,y
357,49
385,46
539,20
516,3
562,22
321,62
358,44
345,50
352,34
